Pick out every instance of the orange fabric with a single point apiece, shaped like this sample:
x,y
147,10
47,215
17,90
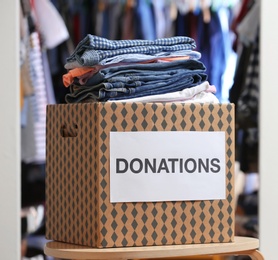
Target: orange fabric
x,y
174,58
68,77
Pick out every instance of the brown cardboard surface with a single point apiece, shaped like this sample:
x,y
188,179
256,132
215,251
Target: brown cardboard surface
x,y
78,209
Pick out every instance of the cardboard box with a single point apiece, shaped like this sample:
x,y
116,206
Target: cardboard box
x,y
78,208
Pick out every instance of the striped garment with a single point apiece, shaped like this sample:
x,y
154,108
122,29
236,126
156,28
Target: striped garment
x,y
93,49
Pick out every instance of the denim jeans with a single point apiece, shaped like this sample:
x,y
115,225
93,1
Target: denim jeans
x,y
93,49
135,72
120,90
176,84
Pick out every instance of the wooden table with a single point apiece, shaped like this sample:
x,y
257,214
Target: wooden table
x,y
241,246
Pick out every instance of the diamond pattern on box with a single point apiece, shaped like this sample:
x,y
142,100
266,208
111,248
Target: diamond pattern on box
x,y
78,209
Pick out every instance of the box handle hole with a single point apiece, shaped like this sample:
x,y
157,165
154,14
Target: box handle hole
x,y
69,131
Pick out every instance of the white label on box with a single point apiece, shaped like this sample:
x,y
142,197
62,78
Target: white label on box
x,y
167,166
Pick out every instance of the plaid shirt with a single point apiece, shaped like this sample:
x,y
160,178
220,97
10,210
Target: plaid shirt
x,y
92,49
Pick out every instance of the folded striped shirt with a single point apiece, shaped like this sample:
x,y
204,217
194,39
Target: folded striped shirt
x,y
93,49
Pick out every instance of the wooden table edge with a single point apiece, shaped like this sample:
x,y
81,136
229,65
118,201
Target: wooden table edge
x,y
71,251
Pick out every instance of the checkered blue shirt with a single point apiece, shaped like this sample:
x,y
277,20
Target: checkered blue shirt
x,y
92,49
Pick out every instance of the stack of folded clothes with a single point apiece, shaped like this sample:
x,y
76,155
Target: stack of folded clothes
x,y
162,70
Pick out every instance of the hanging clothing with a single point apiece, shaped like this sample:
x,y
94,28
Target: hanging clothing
x,y
40,97
145,21
49,23
245,91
